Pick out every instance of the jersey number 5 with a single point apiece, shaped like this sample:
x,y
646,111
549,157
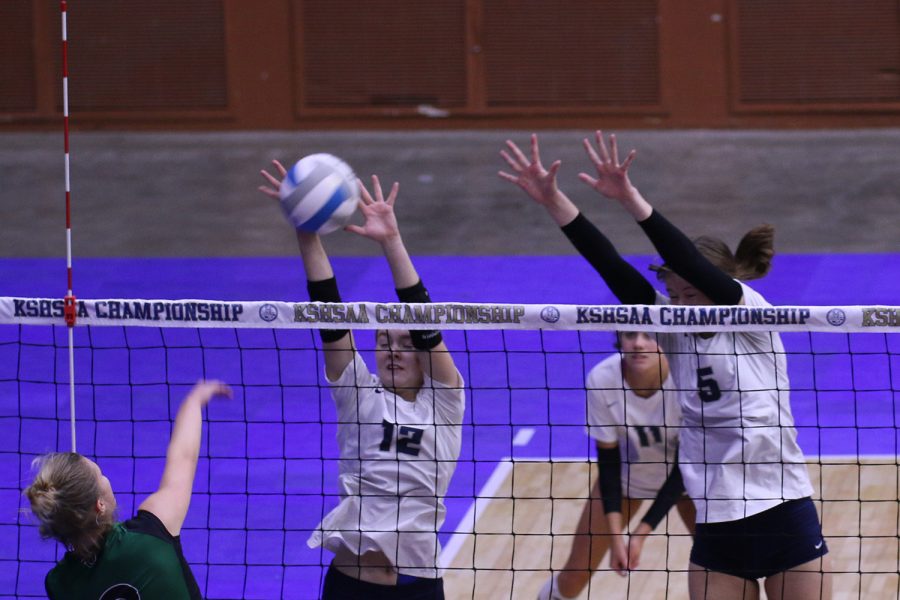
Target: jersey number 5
x,y
408,438
707,386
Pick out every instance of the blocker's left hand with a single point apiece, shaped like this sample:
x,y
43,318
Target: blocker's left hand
x,y
274,186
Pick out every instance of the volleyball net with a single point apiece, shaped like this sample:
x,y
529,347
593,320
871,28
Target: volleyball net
x,y
268,471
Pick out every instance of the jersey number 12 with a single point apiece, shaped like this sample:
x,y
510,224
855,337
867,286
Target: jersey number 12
x,y
408,438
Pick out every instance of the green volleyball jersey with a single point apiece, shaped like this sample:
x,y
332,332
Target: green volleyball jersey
x,y
140,560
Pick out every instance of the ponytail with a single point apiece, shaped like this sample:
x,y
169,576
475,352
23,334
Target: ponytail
x,y
753,258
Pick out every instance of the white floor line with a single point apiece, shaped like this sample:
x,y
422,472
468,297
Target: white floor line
x,y
480,503
523,436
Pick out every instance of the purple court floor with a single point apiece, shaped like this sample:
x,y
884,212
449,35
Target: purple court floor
x,y
269,459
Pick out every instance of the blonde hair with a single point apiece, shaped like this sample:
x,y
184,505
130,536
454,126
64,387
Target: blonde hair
x,y
753,258
63,497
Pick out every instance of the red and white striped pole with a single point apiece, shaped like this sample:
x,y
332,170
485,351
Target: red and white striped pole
x,y
69,310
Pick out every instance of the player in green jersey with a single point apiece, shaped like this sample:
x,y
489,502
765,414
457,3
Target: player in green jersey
x,y
139,559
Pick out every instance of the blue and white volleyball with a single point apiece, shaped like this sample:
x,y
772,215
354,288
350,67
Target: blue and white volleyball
x,y
319,193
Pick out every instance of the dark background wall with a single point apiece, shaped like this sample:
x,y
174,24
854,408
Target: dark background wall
x,y
315,64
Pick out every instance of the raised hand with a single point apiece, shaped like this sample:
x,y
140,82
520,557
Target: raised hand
x,y
612,177
530,174
274,186
205,390
381,223
538,182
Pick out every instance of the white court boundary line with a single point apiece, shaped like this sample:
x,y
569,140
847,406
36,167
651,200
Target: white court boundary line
x,y
523,436
481,502
486,494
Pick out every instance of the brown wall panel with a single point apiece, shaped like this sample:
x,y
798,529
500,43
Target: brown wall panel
x,y
694,79
817,51
17,65
565,53
285,64
147,56
381,53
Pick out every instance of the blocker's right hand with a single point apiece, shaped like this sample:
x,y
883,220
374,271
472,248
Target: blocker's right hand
x,y
612,176
530,174
274,186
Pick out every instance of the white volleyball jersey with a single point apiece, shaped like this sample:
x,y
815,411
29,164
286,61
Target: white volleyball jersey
x,y
645,428
738,448
396,460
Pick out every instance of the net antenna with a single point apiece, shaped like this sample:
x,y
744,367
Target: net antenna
x,y
69,301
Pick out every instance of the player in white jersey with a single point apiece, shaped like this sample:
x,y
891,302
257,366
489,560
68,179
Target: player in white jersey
x,y
633,415
399,430
738,450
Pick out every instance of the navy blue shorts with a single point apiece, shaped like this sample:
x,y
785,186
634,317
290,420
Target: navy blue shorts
x,y
339,586
762,545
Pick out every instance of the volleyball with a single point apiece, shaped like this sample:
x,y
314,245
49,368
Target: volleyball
x,y
319,193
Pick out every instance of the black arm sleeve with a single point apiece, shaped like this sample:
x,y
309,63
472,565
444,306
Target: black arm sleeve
x,y
421,339
668,495
628,285
680,255
609,462
326,290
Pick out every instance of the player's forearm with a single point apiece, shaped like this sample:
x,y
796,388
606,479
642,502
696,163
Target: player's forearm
x,y
609,464
315,259
614,519
184,445
643,528
635,204
561,209
667,496
402,268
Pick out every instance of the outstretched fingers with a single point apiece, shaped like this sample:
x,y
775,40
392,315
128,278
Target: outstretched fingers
x,y
376,186
507,177
615,149
554,169
601,146
606,159
355,229
392,195
365,198
513,164
272,190
520,159
274,194
535,152
592,154
588,179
